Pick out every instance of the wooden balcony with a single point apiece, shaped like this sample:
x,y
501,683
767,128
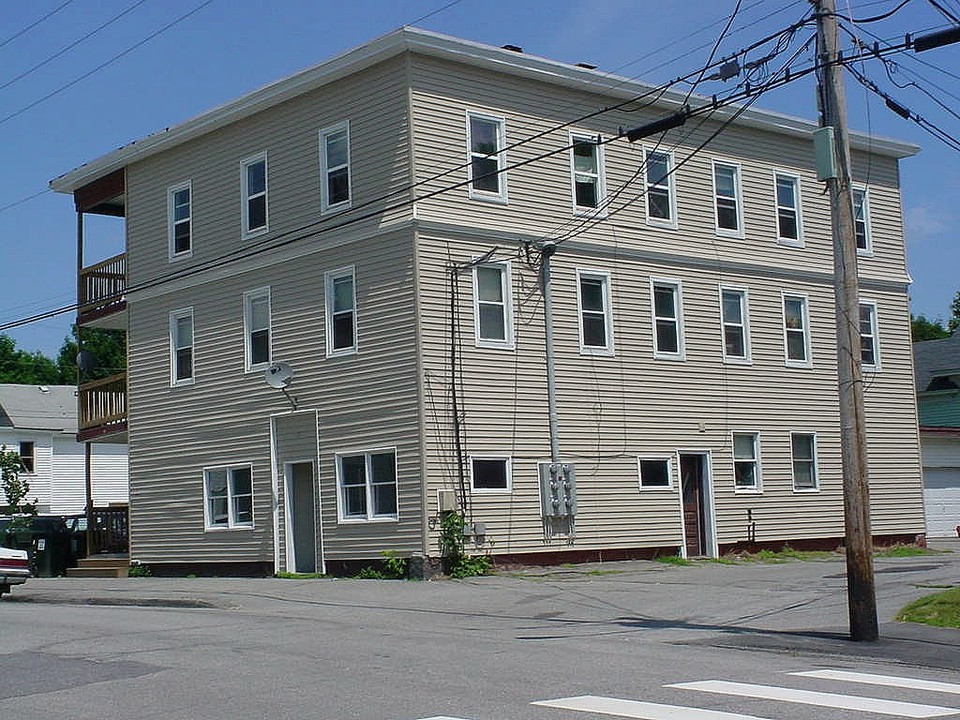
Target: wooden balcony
x,y
102,406
102,301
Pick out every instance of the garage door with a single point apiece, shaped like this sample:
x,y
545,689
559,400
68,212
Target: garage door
x,y
941,494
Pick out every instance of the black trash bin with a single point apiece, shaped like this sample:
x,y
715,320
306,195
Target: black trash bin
x,y
45,538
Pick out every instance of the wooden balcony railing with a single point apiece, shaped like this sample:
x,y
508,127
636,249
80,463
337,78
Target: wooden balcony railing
x,y
103,403
108,531
103,285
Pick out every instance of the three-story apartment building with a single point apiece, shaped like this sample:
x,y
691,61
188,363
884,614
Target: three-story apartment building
x,y
375,222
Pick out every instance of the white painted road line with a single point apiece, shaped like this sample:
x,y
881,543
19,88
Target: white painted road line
x,y
637,709
806,697
886,680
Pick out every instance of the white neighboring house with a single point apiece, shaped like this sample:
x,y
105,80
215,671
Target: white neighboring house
x,y
40,423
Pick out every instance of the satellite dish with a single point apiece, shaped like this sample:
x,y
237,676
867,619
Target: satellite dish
x,y
279,375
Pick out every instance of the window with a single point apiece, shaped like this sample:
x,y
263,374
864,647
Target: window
x,y
181,347
586,162
179,220
256,328
869,345
654,472
368,485
341,303
28,456
661,206
253,178
486,140
726,190
746,461
593,301
736,332
796,334
789,224
335,167
804,450
493,315
490,474
229,493
861,221
667,320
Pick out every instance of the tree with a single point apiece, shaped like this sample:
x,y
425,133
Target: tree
x,y
954,323
20,366
15,488
107,348
923,329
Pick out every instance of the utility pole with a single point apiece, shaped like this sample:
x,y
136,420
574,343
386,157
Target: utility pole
x,y
546,252
861,593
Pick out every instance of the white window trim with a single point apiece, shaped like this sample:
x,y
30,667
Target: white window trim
x,y
747,359
798,195
738,192
231,524
172,338
600,211
172,255
669,487
501,158
875,326
326,206
492,491
604,277
370,518
758,488
328,279
816,464
508,343
33,456
245,199
673,222
868,230
808,347
681,353
248,297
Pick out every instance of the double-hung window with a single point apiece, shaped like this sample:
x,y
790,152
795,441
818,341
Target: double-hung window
x,y
341,311
492,311
335,167
789,220
861,221
486,139
736,330
661,203
253,182
796,330
368,485
596,320
586,164
179,220
256,328
28,456
490,474
229,497
667,319
181,347
746,461
803,447
869,344
726,193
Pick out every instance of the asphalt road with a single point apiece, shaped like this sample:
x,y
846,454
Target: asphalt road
x,y
596,641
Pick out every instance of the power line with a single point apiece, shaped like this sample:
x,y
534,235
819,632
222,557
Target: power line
x,y
32,25
943,11
877,18
67,48
22,200
104,64
435,12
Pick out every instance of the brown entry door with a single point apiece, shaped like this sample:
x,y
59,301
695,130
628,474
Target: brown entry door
x,y
691,478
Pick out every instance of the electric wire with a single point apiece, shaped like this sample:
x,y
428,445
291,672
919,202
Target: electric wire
x,y
943,11
32,25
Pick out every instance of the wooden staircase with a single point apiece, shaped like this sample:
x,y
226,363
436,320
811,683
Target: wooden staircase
x,y
101,566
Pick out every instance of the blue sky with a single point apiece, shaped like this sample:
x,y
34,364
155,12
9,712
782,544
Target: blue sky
x,y
229,47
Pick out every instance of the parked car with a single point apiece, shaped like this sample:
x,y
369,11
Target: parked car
x,y
14,568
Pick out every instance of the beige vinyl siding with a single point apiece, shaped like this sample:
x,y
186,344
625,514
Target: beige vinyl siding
x,y
374,102
367,400
612,409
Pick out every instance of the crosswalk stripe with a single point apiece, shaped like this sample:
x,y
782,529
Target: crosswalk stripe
x,y
637,709
807,697
887,680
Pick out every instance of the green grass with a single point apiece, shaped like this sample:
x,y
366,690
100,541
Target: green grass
x,y
895,551
298,576
784,554
605,572
673,560
941,609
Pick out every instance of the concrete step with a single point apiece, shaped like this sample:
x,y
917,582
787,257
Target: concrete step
x,y
107,561
116,571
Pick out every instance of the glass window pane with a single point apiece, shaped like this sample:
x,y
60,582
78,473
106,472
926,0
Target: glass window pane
x,y
483,136
744,446
657,169
485,175
725,177
184,331
490,284
667,340
355,500
184,364
594,330
241,478
217,483
733,341
490,474
256,178
788,224
243,509
655,473
785,192
663,302
385,499
257,212
802,447
384,467
793,310
591,294
343,293
732,307
338,186
259,347
585,158
658,203
218,510
181,237
586,192
727,215
337,149
492,324
259,312
343,330
796,346
353,470
745,474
